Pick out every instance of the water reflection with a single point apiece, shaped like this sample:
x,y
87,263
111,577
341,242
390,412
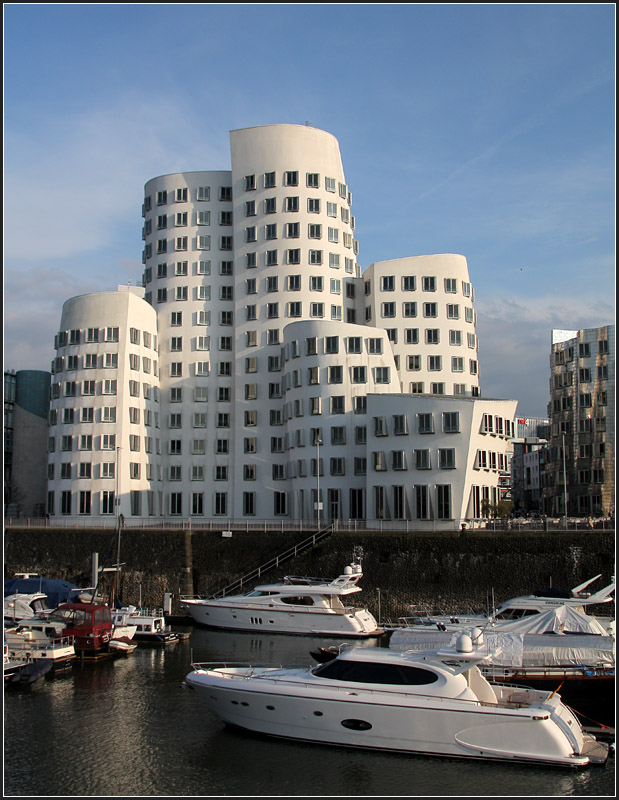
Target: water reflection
x,y
127,728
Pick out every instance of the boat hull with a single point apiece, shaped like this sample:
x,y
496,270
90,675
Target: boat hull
x,y
301,709
357,624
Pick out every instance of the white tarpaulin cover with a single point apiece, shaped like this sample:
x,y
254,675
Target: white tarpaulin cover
x,y
564,619
560,637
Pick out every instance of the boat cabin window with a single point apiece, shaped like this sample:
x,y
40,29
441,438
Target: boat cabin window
x,y
516,613
102,615
302,600
367,672
70,617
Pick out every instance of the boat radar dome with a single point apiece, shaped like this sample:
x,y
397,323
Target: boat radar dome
x,y
464,644
477,636
348,570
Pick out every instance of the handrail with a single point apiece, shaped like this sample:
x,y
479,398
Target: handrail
x,y
273,562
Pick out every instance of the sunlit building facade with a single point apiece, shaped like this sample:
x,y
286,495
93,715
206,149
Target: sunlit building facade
x,y
275,352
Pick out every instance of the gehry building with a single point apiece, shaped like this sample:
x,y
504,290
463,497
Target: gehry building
x,y
283,383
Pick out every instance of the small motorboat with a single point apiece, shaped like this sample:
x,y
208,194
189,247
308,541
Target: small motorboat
x,y
150,626
435,703
20,605
89,624
122,646
296,605
36,640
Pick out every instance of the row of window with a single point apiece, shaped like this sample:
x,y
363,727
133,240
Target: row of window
x,y
291,178
314,206
429,283
201,218
452,310
292,230
443,458
181,269
102,361
95,335
292,256
108,386
181,195
585,375
82,503
566,355
182,243
389,502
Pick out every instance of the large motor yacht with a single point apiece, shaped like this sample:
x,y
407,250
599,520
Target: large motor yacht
x,y
427,703
297,605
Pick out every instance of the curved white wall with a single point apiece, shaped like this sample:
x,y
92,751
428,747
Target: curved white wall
x,y
104,411
189,279
295,257
427,304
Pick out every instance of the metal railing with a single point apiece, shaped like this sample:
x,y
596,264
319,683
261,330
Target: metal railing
x,y
270,564
306,525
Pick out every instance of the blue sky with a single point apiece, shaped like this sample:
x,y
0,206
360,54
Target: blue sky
x,y
486,130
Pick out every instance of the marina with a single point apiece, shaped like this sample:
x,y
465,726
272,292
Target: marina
x,y
133,730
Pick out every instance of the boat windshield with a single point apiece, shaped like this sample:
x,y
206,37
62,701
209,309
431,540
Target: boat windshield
x,y
258,593
70,616
39,605
368,672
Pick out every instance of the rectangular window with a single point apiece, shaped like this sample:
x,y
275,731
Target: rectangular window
x,y
447,458
443,501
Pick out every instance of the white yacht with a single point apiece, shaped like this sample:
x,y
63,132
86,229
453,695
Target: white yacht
x,y
546,599
528,605
432,703
297,605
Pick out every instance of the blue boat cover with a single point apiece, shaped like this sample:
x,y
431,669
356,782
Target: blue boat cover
x,y
57,591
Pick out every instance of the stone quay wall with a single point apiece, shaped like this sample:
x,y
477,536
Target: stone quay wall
x,y
452,572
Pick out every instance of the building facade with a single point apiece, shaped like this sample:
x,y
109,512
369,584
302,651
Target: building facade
x,y
579,469
528,464
104,450
26,402
272,346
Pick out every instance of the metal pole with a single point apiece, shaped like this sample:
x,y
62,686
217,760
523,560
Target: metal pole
x,y
318,443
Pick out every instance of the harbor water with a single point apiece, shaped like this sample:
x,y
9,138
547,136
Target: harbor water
x,y
127,727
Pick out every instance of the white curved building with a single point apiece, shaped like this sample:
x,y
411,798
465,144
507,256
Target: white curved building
x,y
271,342
104,412
426,305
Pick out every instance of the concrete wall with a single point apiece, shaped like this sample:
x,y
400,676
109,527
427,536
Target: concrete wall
x,y
440,571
